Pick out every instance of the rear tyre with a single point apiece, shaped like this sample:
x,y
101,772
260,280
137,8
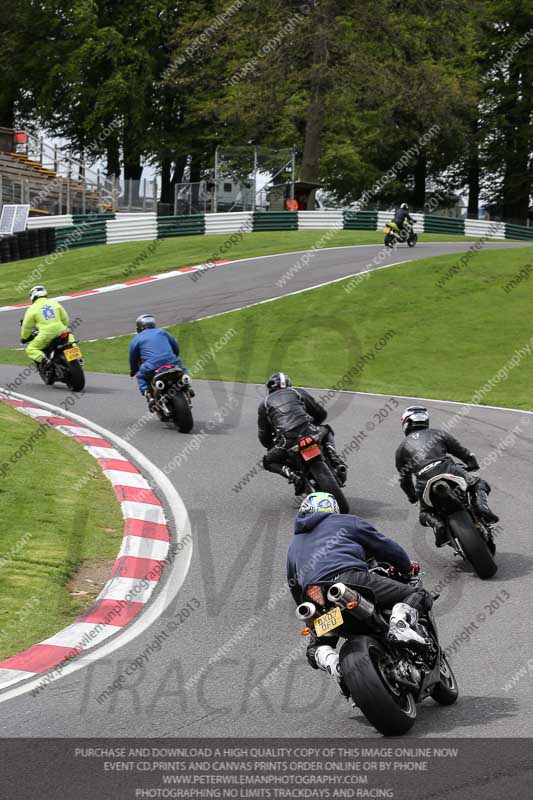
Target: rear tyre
x,y
363,666
472,544
412,240
181,413
326,482
446,692
76,378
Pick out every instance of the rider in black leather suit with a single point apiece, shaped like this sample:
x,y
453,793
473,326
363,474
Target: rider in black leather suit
x,y
401,215
284,417
423,446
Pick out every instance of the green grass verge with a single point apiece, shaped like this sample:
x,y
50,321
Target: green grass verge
x,y
447,342
49,527
90,267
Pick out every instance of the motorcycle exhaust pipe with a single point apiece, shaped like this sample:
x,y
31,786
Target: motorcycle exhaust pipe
x,y
351,601
160,385
185,379
306,611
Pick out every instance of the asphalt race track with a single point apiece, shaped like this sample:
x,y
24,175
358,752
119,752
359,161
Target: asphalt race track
x,y
196,295
258,682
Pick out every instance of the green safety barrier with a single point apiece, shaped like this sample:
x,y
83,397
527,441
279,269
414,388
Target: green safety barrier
x,y
444,225
182,225
77,219
517,231
275,221
360,220
83,235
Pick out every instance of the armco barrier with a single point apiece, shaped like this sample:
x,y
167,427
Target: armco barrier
x,y
109,229
448,225
484,229
276,221
517,232
235,222
84,235
58,221
360,220
185,225
131,228
320,220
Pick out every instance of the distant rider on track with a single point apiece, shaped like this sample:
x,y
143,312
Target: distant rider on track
x,y
150,349
284,416
423,446
401,215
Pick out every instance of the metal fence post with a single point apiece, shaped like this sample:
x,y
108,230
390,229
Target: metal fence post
x,y
154,195
175,199
215,182
144,194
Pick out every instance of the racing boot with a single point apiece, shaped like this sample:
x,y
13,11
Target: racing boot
x,y
430,520
481,505
339,466
296,479
404,627
327,659
152,405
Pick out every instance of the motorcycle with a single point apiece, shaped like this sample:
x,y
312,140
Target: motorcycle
x,y
65,362
312,462
470,537
385,679
394,236
173,396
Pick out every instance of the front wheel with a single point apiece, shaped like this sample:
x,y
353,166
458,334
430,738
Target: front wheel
x,y
75,376
472,544
367,670
389,240
181,413
326,482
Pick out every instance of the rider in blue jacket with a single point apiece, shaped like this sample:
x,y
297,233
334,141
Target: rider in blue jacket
x,y
329,546
152,348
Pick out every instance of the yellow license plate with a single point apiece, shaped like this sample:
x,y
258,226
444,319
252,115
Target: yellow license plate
x,y
327,622
72,353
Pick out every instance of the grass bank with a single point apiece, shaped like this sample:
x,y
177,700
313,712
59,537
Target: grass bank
x,y
59,512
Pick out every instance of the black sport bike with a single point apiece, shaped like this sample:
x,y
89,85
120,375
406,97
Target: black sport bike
x,y
173,396
451,497
385,679
65,363
311,461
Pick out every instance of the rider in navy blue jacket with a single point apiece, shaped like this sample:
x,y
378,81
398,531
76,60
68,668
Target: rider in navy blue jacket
x,y
324,545
328,546
150,349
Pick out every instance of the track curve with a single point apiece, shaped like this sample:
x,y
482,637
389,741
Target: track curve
x,y
226,287
238,566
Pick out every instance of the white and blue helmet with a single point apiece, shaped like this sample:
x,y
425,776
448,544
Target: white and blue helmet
x,y
319,501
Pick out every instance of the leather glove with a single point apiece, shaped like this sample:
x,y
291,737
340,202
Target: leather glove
x,y
472,462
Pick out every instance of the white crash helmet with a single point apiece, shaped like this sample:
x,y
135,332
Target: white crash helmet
x,y
414,417
37,291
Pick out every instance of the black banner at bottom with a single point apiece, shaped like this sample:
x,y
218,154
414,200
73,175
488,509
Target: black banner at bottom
x,y
148,769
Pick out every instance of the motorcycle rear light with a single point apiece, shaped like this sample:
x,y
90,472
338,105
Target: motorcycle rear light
x,y
316,594
64,336
306,441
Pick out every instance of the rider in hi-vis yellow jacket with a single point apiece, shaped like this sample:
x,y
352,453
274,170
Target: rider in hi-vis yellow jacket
x,y
50,319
